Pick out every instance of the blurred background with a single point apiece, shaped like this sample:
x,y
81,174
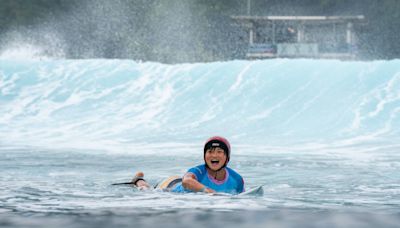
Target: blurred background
x,y
176,31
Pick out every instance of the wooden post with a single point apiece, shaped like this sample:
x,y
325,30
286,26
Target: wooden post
x,y
251,34
349,33
248,7
273,32
300,33
349,39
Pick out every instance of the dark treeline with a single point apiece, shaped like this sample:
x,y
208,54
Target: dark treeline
x,y
175,30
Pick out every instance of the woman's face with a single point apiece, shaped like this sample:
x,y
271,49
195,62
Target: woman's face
x,y
215,158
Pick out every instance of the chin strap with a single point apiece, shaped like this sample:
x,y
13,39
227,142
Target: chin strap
x,y
216,172
222,167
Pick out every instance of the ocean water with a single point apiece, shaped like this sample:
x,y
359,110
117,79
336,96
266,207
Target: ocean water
x,y
321,136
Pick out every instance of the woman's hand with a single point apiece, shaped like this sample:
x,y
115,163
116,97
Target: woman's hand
x,y
209,190
189,182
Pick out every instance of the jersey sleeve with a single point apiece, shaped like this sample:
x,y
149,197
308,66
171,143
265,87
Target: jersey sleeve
x,y
197,172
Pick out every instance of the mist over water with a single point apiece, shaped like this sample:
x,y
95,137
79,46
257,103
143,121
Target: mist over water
x,y
143,30
177,31
31,44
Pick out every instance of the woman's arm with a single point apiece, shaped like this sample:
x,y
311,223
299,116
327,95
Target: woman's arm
x,y
190,182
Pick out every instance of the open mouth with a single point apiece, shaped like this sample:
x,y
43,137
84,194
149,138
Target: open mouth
x,y
214,162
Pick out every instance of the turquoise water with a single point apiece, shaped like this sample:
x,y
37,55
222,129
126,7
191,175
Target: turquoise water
x,y
322,136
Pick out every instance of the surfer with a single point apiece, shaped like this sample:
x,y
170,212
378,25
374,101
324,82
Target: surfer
x,y
210,177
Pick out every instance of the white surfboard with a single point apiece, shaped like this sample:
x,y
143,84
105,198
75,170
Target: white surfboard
x,y
256,191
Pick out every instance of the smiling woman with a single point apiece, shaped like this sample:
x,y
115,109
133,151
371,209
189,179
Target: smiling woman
x,y
213,176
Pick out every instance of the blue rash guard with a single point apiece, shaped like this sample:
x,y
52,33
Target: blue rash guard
x,y
233,182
